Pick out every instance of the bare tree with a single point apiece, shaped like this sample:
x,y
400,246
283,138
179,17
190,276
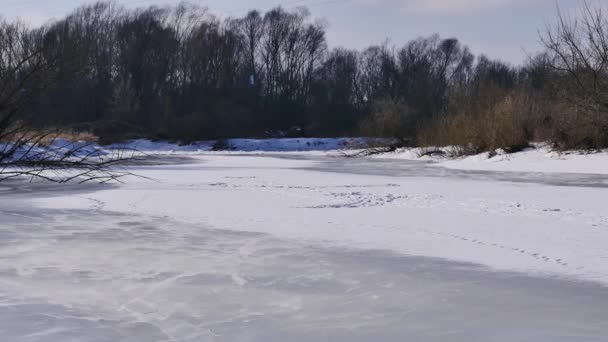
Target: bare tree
x,y
578,51
252,30
45,156
28,66
292,48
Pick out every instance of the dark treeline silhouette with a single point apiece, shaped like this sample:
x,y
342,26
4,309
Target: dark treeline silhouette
x,y
182,73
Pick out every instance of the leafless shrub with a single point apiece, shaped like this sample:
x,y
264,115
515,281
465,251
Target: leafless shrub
x,y
578,128
431,151
578,47
502,123
28,66
44,155
390,119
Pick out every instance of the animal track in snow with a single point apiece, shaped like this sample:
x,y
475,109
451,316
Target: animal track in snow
x,y
519,209
359,199
535,255
97,205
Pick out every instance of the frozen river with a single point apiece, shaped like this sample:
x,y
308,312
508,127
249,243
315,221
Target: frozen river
x,y
302,248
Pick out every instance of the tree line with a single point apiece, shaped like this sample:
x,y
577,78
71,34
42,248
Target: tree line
x,y
182,73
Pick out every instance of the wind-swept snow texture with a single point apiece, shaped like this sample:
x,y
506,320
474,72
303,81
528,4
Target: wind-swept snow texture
x,y
307,248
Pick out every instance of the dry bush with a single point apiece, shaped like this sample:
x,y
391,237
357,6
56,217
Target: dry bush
x,y
47,136
65,135
371,142
578,49
389,119
77,136
502,122
577,128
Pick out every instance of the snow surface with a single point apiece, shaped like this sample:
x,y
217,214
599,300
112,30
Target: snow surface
x,y
96,275
311,247
526,227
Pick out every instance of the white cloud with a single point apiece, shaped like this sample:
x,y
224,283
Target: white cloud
x,y
37,19
450,6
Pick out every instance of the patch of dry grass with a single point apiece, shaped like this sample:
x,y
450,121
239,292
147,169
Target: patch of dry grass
x,y
47,137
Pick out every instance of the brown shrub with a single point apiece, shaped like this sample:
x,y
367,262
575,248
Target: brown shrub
x,y
49,136
578,128
389,119
503,122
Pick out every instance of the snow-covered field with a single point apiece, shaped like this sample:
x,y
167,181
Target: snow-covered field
x,y
312,247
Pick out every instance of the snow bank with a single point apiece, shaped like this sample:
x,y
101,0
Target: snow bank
x,y
247,145
539,158
534,160
295,144
58,149
148,146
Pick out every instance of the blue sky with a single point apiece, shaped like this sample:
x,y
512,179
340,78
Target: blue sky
x,y
502,29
